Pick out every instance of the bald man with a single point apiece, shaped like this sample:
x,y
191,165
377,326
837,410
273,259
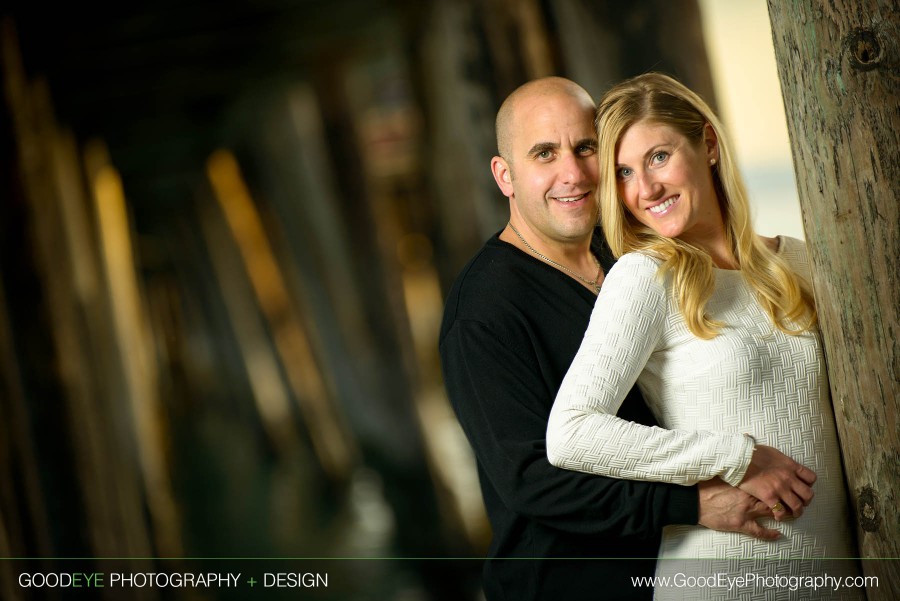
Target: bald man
x,y
513,321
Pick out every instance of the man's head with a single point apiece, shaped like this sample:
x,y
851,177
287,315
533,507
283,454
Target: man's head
x,y
547,165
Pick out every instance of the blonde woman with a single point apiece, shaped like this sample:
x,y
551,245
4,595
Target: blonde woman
x,y
717,326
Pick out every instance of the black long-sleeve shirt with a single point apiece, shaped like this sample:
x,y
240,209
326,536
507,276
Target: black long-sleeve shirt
x,y
512,325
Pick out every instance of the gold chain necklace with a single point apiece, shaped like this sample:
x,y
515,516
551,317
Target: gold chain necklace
x,y
592,283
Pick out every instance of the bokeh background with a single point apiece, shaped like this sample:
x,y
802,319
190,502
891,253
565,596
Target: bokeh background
x,y
226,232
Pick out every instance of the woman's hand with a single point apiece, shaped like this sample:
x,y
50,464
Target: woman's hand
x,y
778,481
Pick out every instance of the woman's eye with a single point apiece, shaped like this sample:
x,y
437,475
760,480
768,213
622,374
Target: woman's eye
x,y
623,172
659,157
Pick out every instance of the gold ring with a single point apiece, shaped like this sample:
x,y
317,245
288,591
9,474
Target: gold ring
x,y
778,507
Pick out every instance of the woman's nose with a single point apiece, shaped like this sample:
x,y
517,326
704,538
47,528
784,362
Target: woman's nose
x,y
648,187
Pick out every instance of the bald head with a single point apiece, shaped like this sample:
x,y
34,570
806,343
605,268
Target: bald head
x,y
533,91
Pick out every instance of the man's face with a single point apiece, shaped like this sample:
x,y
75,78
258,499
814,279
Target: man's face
x,y
553,167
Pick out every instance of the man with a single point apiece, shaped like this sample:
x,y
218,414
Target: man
x,y
513,321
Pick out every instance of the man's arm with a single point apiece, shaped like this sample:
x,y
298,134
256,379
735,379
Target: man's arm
x,y
502,403
728,509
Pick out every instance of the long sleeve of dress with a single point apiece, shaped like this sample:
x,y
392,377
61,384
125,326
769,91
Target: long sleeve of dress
x,y
585,435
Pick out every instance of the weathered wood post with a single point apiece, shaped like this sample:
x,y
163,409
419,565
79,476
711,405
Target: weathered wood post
x,y
839,66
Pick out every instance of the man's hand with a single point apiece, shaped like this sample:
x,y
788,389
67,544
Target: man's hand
x,y
725,508
779,482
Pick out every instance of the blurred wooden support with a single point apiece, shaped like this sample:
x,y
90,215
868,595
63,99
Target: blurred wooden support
x,y
270,392
314,233
308,233
838,66
340,230
106,501
449,453
409,282
330,441
537,52
133,346
460,99
605,41
408,295
24,524
414,297
74,287
26,521
7,577
338,278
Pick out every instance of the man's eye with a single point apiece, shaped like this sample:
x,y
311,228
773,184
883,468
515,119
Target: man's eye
x,y
544,154
586,150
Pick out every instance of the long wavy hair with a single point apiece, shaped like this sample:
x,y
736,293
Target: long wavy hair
x,y
658,98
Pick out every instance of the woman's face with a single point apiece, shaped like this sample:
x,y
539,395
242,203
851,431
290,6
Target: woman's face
x,y
665,181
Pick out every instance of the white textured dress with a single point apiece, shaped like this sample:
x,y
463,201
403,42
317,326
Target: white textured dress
x,y
751,378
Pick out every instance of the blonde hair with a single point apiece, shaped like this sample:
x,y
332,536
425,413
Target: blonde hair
x,y
660,99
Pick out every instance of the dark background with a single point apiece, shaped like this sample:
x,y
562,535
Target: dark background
x,y
226,230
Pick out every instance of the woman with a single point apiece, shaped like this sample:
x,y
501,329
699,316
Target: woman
x,y
717,326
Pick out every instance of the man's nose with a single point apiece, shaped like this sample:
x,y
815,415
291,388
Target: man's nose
x,y
575,169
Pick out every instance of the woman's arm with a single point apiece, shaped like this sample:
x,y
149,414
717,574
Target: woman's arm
x,y
584,433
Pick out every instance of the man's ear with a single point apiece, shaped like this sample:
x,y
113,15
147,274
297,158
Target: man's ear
x,y
502,175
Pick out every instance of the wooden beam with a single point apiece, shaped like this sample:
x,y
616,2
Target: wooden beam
x,y
837,63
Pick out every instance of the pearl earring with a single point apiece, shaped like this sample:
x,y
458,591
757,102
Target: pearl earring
x,y
712,161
